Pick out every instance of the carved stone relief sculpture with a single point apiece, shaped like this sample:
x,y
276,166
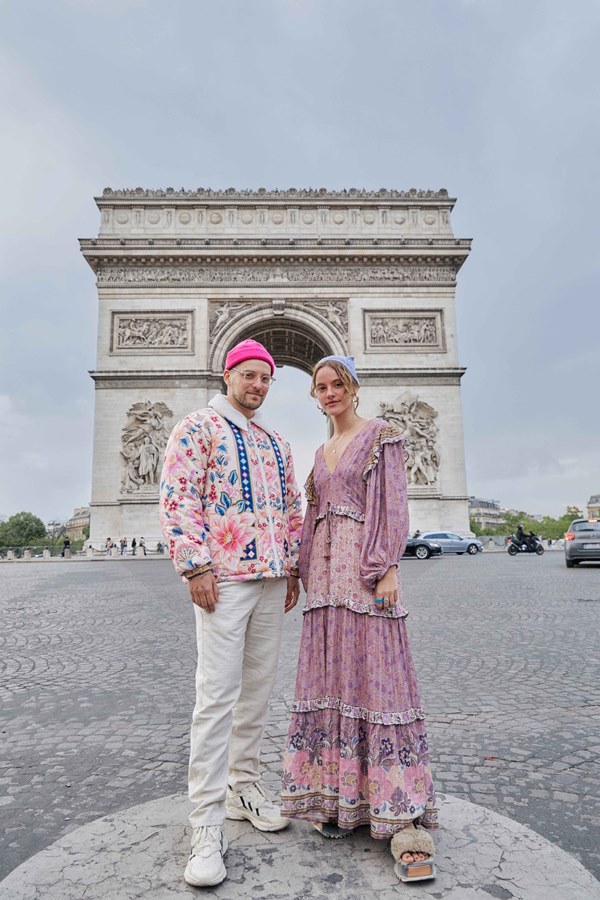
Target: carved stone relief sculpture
x,y
336,313
143,441
416,421
403,330
152,331
292,274
222,313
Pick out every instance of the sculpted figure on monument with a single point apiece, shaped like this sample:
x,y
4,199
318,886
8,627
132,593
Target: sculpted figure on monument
x,y
335,313
221,315
416,420
143,442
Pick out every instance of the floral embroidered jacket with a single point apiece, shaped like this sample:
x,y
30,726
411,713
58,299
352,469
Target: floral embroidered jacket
x,y
228,496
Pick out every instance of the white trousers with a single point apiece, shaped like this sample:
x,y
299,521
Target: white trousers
x,y
238,650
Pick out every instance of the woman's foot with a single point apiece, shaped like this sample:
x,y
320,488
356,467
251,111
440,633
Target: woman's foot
x,y
413,850
331,830
409,857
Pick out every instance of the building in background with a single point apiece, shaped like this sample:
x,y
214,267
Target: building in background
x,y
593,507
78,526
486,513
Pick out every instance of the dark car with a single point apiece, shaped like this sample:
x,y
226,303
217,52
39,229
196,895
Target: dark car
x,y
582,542
422,548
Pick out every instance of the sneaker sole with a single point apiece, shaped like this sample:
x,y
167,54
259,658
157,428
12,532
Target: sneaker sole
x,y
217,879
233,812
203,882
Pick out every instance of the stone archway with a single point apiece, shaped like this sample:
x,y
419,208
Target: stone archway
x,y
295,335
183,275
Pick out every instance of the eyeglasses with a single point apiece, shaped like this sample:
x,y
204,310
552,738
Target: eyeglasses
x,y
249,377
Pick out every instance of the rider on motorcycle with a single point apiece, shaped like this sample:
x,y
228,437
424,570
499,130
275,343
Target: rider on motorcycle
x,y
528,539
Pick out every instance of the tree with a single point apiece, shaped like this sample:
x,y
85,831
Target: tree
x,y
22,530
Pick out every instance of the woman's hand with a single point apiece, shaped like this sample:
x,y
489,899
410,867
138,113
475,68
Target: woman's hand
x,y
387,589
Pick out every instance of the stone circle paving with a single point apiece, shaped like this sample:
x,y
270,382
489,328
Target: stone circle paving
x,y
98,659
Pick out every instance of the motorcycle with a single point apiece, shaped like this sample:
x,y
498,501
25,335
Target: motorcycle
x,y
531,544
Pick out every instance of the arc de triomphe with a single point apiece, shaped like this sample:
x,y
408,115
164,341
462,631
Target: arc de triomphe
x,y
184,275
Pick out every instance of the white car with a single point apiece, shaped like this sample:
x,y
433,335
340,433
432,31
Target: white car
x,y
454,543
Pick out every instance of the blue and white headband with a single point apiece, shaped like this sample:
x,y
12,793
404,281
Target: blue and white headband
x,y
346,361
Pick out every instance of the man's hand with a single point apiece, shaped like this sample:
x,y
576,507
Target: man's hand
x,y
386,589
204,591
293,592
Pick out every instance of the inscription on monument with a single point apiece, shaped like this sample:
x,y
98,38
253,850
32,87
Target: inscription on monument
x,y
416,421
414,331
151,332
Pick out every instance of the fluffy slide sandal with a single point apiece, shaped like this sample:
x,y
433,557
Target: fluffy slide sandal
x,y
410,841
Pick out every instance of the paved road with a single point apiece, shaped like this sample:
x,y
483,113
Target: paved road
x,y
97,691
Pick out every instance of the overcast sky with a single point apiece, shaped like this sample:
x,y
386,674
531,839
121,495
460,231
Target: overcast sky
x,y
495,100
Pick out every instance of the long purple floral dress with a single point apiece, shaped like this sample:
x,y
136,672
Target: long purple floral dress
x,y
357,745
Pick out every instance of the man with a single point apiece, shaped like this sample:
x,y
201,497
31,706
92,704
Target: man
x,y
230,511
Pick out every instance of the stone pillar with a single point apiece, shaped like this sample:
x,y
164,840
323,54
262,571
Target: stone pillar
x,y
46,553
26,554
10,554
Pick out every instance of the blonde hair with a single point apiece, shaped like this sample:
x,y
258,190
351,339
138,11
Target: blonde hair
x,y
343,374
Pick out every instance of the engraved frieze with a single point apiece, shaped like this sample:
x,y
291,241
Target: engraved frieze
x,y
416,421
404,331
281,274
152,332
143,442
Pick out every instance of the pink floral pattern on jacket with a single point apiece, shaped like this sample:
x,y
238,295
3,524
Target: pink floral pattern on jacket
x,y
228,496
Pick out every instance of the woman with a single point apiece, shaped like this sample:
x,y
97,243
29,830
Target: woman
x,y
357,745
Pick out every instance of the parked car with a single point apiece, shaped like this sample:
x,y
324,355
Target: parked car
x,y
422,548
582,542
454,543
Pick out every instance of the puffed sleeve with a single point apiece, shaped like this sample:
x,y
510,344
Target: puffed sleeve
x,y
181,489
308,529
386,511
294,506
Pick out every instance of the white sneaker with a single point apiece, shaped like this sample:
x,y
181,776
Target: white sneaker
x,y
205,866
255,804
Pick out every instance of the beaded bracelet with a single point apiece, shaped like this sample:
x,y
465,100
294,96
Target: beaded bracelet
x,y
201,571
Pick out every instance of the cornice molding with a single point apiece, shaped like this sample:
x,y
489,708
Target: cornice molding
x,y
288,195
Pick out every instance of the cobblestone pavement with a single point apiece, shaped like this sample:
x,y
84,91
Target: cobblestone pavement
x,y
97,691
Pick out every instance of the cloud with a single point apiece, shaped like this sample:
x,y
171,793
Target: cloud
x,y
46,460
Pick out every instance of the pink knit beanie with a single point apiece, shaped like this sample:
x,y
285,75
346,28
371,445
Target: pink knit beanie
x,y
248,350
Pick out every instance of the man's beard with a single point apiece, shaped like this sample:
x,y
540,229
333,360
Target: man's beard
x,y
248,402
